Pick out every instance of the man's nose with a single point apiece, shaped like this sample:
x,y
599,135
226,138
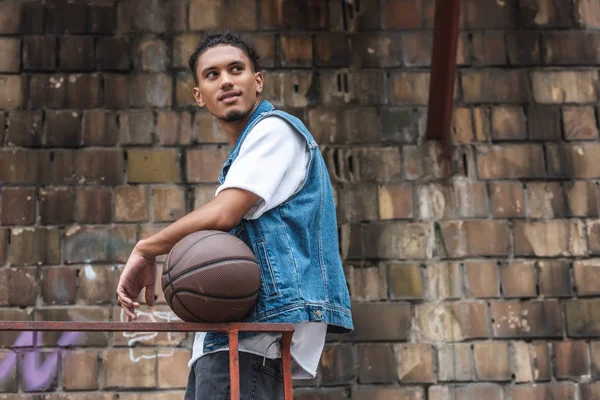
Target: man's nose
x,y
226,80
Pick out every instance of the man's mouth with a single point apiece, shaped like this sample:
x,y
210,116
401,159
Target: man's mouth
x,y
230,96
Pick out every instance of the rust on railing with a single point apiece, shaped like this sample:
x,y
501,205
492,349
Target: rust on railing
x,y
232,330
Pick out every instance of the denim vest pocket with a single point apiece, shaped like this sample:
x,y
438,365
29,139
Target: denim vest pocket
x,y
267,275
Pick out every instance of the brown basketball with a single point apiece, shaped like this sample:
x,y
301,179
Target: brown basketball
x,y
211,276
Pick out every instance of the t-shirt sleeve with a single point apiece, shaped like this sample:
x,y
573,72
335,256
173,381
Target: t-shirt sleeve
x,y
271,164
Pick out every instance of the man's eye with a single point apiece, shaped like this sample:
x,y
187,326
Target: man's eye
x,y
211,74
236,69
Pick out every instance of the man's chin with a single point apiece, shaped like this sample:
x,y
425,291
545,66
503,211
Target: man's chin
x,y
234,115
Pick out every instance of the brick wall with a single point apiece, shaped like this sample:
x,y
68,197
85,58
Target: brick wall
x,y
485,284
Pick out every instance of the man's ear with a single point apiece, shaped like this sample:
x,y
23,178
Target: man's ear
x,y
198,97
259,82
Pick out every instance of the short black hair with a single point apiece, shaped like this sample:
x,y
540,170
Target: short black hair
x,y
217,39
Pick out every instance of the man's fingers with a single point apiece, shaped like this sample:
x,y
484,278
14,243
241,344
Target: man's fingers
x,y
150,295
123,296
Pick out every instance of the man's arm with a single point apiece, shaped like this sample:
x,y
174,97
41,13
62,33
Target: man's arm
x,y
222,213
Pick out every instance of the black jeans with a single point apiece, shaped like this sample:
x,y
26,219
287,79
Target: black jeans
x,y
209,378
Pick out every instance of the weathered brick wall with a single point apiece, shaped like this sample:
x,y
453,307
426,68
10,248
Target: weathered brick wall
x,y
103,145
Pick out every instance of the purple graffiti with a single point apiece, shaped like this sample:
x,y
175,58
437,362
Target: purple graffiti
x,y
36,375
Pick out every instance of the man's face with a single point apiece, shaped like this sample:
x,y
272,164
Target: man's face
x,y
227,85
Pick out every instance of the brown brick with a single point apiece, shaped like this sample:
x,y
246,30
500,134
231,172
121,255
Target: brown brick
x,y
12,87
56,206
571,47
549,238
510,162
558,390
545,200
593,233
545,13
395,201
9,382
210,15
579,123
574,160
10,55
156,20
99,166
482,120
136,127
587,13
39,53
582,198
62,128
489,15
77,53
151,90
590,391
467,238
337,365
410,87
264,43
22,288
488,48
32,18
523,48
455,362
4,234
18,206
280,14
97,284
571,359
173,370
381,321
376,364
93,205
443,281
80,370
554,278
207,129
482,279
184,83
436,201
514,319
544,123
367,282
540,362
389,240
63,17
402,14
116,91
173,127
10,17
99,128
377,50
583,317
59,285
587,277
45,358
463,124
508,199
3,126
168,203
76,91
508,123
203,194
471,197
119,371
151,55
24,166
519,279
96,248
113,53
103,18
379,393
8,339
357,203
153,166
92,339
492,361
34,246
296,50
405,281
332,50
296,87
398,124
496,86
203,165
415,362
551,87
24,128
451,321
350,125
416,48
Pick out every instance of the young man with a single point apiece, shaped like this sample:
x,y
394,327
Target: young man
x,y
275,195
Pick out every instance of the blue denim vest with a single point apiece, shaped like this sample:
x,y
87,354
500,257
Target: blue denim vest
x,y
296,246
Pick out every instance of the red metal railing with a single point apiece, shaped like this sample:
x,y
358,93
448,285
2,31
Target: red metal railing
x,y
232,330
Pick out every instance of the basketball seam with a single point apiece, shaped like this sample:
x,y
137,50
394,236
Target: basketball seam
x,y
186,309
216,297
191,245
197,267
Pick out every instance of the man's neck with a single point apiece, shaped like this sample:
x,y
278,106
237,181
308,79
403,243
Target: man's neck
x,y
233,130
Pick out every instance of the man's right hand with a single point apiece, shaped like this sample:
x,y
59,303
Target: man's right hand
x,y
139,273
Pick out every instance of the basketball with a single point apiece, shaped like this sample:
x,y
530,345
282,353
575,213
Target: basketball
x,y
211,276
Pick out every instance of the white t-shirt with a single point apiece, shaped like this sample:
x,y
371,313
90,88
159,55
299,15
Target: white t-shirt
x,y
272,163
